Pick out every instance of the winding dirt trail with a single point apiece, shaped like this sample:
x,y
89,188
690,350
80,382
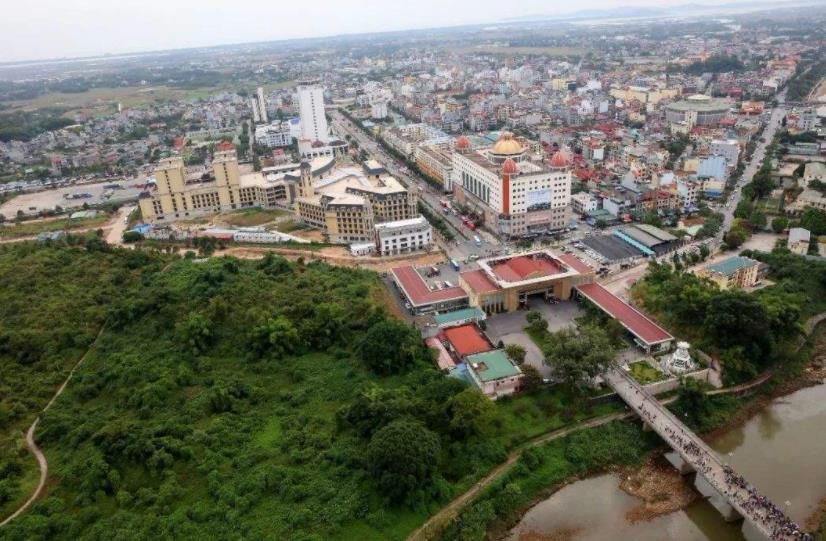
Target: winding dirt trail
x,y
450,511
32,445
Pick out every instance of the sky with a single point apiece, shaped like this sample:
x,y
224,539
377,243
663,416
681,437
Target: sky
x,y
41,29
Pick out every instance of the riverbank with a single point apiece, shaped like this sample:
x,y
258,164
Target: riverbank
x,y
488,515
660,487
663,490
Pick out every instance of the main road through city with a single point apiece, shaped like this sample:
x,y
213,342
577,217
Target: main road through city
x,y
754,164
464,246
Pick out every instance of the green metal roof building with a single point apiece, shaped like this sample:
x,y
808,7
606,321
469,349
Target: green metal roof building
x,y
731,265
494,373
458,317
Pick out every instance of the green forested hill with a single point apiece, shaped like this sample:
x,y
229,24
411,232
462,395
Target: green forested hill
x,y
231,399
53,301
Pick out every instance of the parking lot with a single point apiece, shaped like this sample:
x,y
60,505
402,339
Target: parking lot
x,y
446,277
34,202
612,249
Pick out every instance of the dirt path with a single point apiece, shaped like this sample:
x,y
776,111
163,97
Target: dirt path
x,y
35,450
450,511
44,472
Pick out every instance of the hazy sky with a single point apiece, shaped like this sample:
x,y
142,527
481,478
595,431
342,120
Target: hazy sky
x,y
36,29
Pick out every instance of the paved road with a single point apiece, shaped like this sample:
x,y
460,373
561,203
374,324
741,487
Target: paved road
x,y
757,509
464,245
754,164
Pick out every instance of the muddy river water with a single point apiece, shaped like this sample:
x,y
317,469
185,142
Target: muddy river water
x,y
782,451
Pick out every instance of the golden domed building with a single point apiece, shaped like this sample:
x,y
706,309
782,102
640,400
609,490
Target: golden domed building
x,y
518,192
506,147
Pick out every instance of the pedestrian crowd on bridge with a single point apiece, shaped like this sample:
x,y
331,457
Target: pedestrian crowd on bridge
x,y
760,508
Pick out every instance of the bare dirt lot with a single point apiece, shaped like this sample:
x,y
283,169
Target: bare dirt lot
x,y
33,202
339,255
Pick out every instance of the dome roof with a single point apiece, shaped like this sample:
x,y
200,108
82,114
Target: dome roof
x,y
462,143
559,159
509,167
507,145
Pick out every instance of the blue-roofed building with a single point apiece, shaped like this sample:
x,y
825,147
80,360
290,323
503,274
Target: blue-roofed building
x,y
712,167
143,229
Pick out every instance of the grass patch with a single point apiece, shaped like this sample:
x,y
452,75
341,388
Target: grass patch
x,y
104,100
30,229
541,337
289,226
645,373
529,416
252,217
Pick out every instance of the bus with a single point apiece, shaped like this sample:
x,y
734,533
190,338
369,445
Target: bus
x,y
454,264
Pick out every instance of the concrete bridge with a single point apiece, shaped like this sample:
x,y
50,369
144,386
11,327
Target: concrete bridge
x,y
728,492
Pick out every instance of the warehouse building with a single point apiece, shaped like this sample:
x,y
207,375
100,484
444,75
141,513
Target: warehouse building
x,y
650,240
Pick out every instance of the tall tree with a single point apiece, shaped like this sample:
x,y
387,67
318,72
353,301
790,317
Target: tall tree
x,y
403,457
390,347
577,357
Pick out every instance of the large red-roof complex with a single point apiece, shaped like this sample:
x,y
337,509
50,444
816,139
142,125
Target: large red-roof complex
x,y
523,267
479,281
417,292
646,331
500,284
576,263
467,340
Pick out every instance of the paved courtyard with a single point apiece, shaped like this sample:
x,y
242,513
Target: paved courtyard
x,y
510,327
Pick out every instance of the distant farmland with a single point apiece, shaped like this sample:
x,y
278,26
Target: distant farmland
x,y
505,50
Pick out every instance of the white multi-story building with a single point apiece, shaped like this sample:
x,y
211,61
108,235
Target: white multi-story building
x,y
688,191
256,114
378,103
262,105
406,139
808,120
311,109
315,140
729,149
516,191
403,236
583,203
274,135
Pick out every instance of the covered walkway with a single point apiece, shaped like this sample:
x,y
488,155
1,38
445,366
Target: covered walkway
x,y
648,334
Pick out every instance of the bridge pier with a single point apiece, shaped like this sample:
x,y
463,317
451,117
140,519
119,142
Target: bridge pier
x,y
676,460
715,498
752,533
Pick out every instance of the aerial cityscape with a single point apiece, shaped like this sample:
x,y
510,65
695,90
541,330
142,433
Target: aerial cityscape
x,y
455,272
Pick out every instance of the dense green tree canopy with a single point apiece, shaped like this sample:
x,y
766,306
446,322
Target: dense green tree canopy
x,y
577,357
391,347
403,457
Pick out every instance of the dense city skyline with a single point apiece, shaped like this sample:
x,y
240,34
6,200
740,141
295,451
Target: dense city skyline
x,y
56,30
358,271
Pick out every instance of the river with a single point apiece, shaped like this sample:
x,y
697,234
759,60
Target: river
x,y
781,451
